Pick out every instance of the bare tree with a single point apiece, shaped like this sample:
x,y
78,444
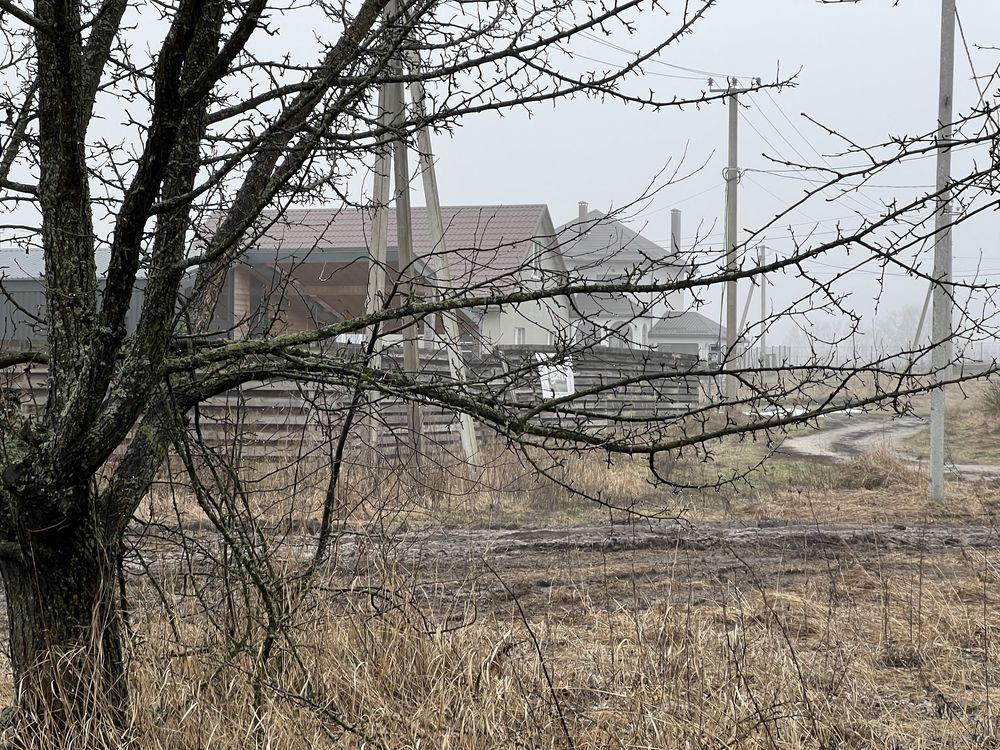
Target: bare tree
x,y
221,120
223,126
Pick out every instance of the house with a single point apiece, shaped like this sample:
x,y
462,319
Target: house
x,y
310,263
688,332
308,267
598,247
22,306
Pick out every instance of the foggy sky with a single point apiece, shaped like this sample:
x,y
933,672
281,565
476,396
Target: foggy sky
x,y
868,70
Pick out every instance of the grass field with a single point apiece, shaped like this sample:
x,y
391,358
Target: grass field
x,y
821,605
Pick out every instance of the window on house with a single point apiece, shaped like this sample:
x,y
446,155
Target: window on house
x,y
518,337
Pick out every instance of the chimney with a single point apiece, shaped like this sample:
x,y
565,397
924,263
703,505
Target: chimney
x,y
675,231
583,209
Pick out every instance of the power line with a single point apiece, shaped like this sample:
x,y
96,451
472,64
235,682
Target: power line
x,y
778,154
647,72
977,273
783,174
866,205
674,204
901,159
972,67
618,48
771,237
779,198
806,140
813,222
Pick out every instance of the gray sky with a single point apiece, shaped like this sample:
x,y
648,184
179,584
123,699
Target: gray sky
x,y
868,70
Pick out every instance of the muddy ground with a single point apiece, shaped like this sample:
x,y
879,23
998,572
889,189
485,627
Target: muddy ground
x,y
492,562
452,571
645,565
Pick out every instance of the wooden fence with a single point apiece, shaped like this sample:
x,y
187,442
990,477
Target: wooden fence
x,y
613,387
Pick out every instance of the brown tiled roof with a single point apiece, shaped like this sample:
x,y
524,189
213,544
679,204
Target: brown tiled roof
x,y
485,244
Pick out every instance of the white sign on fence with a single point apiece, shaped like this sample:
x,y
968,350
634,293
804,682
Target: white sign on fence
x,y
557,379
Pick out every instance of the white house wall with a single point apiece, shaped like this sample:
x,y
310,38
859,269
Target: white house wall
x,y
543,320
684,344
540,321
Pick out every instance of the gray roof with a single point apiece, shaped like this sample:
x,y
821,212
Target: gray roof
x,y
21,265
23,304
29,265
687,323
609,305
595,237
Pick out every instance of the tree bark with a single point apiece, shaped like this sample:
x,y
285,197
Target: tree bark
x,y
66,624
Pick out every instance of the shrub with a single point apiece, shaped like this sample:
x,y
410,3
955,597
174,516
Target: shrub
x,y
877,469
991,400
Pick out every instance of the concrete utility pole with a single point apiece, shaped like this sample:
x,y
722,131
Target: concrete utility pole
x,y
746,312
389,155
733,89
675,249
375,299
404,257
732,182
762,282
391,104
435,225
941,324
675,231
392,115
761,260
923,316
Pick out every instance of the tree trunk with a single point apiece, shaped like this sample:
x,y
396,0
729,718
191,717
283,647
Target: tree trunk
x,y
66,635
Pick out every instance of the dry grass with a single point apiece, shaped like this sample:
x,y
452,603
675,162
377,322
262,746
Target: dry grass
x,y
972,428
877,469
971,438
990,400
892,651
506,491
770,647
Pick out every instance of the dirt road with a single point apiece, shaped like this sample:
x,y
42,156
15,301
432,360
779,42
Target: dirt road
x,y
843,436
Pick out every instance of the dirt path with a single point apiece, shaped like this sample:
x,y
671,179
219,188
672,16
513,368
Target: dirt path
x,y
448,546
458,572
697,536
552,567
841,437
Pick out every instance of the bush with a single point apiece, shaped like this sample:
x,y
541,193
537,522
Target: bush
x,y
991,400
877,469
